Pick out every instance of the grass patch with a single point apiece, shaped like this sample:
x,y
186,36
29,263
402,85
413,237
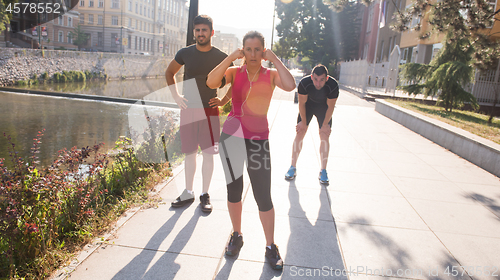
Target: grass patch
x,y
472,122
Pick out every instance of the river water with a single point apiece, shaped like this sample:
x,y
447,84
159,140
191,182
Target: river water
x,y
69,122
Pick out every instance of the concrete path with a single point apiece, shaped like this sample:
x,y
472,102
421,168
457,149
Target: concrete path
x,y
397,205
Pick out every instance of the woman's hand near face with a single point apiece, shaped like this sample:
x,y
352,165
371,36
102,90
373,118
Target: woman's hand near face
x,y
268,54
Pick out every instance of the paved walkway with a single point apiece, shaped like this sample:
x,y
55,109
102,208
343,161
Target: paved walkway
x,y
397,203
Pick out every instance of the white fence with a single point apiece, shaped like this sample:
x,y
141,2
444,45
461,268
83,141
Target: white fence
x,y
487,86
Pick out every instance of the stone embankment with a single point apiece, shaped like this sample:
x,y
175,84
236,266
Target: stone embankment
x,y
23,64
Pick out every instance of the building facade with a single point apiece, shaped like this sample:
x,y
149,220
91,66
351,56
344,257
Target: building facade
x,y
226,42
52,33
150,27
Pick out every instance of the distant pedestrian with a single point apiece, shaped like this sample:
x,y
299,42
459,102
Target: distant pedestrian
x,y
318,94
245,134
195,131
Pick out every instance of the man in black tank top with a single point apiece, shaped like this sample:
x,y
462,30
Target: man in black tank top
x,y
318,94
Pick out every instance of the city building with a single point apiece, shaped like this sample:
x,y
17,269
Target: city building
x,y
226,42
149,27
52,33
382,50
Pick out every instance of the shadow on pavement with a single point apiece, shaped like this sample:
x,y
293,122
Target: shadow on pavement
x,y
489,203
312,249
138,267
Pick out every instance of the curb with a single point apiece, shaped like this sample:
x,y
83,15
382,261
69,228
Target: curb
x,y
480,151
90,97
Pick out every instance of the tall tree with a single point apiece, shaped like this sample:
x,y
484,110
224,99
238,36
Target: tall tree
x,y
79,37
445,76
5,16
310,29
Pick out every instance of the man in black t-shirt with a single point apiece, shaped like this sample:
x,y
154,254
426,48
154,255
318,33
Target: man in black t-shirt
x,y
318,94
200,125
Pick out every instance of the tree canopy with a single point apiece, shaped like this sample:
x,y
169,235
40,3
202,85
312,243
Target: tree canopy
x,y
4,15
309,28
446,75
79,37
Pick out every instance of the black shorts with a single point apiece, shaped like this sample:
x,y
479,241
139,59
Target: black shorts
x,y
318,111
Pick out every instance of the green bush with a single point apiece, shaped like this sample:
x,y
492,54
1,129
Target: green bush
x,y
45,212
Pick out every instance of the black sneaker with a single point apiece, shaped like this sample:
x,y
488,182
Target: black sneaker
x,y
183,199
205,203
274,258
235,244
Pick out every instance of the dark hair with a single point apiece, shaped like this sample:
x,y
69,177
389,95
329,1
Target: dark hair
x,y
320,69
254,34
204,19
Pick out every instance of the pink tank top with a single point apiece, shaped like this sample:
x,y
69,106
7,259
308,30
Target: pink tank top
x,y
248,116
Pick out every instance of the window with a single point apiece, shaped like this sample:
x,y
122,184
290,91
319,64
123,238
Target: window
x,y
115,4
91,19
82,19
136,8
130,6
390,44
100,4
149,12
140,25
60,20
82,3
99,20
140,10
114,20
91,3
70,22
370,19
129,41
130,22
493,5
61,39
381,51
70,40
144,10
135,43
100,39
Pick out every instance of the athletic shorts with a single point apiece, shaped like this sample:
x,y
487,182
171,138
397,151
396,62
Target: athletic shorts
x,y
318,111
200,127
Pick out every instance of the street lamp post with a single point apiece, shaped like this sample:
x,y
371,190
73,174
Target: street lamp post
x,y
272,32
193,12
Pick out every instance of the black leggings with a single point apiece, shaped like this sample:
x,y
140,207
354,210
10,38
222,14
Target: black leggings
x,y
234,152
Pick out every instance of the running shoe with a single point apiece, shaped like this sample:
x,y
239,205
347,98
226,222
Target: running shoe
x,y
323,177
183,199
205,203
235,244
292,172
274,258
